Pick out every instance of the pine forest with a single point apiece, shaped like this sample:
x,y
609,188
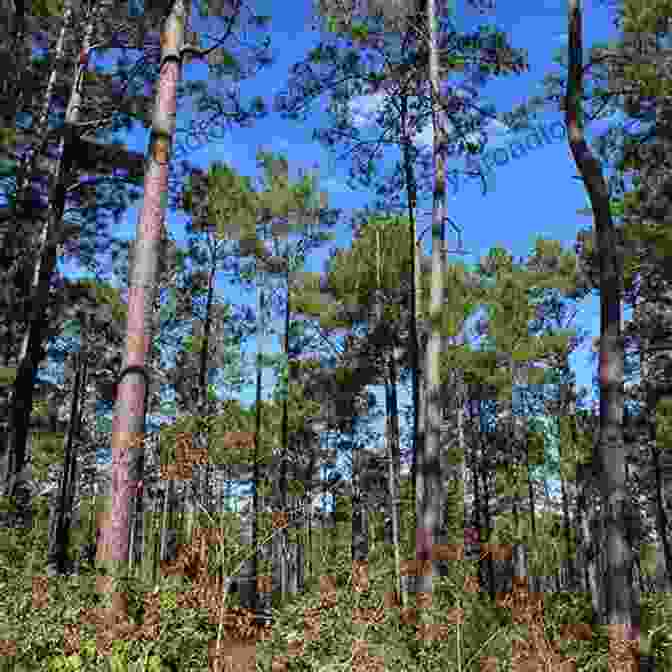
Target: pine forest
x,y
284,386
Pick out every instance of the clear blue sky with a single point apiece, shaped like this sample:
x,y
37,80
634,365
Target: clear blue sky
x,y
533,195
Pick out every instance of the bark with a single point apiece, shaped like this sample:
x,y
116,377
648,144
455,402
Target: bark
x,y
310,449
588,525
476,509
568,408
581,542
248,572
567,532
428,495
623,605
661,515
452,460
296,569
530,496
414,294
199,482
488,525
62,511
136,528
281,541
191,505
360,528
150,543
168,499
220,489
520,568
513,427
129,417
393,471
251,597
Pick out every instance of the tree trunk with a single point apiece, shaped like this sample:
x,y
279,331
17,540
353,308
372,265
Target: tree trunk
x,y
661,516
281,540
476,507
310,450
19,51
166,528
452,463
623,605
415,294
582,540
590,539
513,427
530,495
567,532
27,165
192,489
200,484
62,511
150,542
652,397
568,408
360,528
428,495
32,346
129,417
488,525
520,568
16,473
393,472
251,597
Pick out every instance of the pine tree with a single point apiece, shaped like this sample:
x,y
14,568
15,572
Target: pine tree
x,y
69,148
623,607
129,416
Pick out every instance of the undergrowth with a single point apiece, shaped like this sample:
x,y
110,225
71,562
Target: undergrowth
x,y
343,620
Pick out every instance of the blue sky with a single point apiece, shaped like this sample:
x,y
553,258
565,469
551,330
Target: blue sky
x,y
534,195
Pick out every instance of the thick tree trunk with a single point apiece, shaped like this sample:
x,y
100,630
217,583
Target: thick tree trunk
x,y
428,495
129,417
623,605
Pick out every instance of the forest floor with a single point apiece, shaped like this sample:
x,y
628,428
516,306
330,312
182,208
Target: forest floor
x,y
347,618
